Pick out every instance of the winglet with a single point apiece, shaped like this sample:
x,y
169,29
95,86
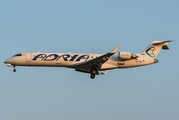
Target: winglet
x,y
115,49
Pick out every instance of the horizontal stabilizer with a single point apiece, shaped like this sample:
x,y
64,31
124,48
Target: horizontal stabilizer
x,y
159,43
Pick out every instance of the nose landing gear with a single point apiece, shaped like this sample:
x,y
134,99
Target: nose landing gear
x,y
14,70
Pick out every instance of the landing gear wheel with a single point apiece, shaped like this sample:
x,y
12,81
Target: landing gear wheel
x,y
92,76
14,70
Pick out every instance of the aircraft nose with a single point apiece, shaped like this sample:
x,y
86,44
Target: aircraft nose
x,y
5,62
9,61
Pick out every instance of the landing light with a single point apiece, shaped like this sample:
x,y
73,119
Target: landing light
x,y
8,64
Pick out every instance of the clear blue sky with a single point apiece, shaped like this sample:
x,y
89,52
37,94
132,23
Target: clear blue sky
x,y
95,26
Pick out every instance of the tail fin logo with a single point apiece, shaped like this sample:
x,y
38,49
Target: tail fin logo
x,y
150,51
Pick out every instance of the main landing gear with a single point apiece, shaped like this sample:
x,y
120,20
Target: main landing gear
x,y
93,73
92,76
14,70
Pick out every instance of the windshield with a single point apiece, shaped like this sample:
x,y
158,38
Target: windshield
x,y
17,55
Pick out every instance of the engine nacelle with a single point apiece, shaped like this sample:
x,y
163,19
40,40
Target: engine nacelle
x,y
126,56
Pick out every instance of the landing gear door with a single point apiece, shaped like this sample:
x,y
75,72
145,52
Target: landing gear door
x,y
28,56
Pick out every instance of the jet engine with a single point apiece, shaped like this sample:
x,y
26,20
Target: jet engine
x,y
126,56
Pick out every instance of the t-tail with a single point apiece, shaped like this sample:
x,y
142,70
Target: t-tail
x,y
154,48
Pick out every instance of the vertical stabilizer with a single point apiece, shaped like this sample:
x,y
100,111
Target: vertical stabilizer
x,y
154,48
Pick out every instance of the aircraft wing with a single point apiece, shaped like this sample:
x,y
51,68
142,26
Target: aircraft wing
x,y
96,62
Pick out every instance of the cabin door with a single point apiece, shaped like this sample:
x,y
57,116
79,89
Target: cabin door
x,y
28,56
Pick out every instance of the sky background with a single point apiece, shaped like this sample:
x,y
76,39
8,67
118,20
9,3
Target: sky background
x,y
95,26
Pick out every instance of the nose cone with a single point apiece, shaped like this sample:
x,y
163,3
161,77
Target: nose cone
x,y
9,61
156,61
5,62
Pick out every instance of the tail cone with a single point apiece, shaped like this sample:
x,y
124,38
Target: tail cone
x,y
155,60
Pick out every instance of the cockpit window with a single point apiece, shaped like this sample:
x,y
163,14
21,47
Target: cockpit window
x,y
17,55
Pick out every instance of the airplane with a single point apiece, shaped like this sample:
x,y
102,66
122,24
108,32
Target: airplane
x,y
90,63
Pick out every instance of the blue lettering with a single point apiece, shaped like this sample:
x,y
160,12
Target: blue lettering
x,y
83,57
65,57
73,57
56,57
39,56
52,56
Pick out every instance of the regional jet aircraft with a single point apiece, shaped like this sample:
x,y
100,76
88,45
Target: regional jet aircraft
x,y
90,63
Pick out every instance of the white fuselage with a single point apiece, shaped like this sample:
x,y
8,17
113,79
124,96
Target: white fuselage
x,y
69,59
